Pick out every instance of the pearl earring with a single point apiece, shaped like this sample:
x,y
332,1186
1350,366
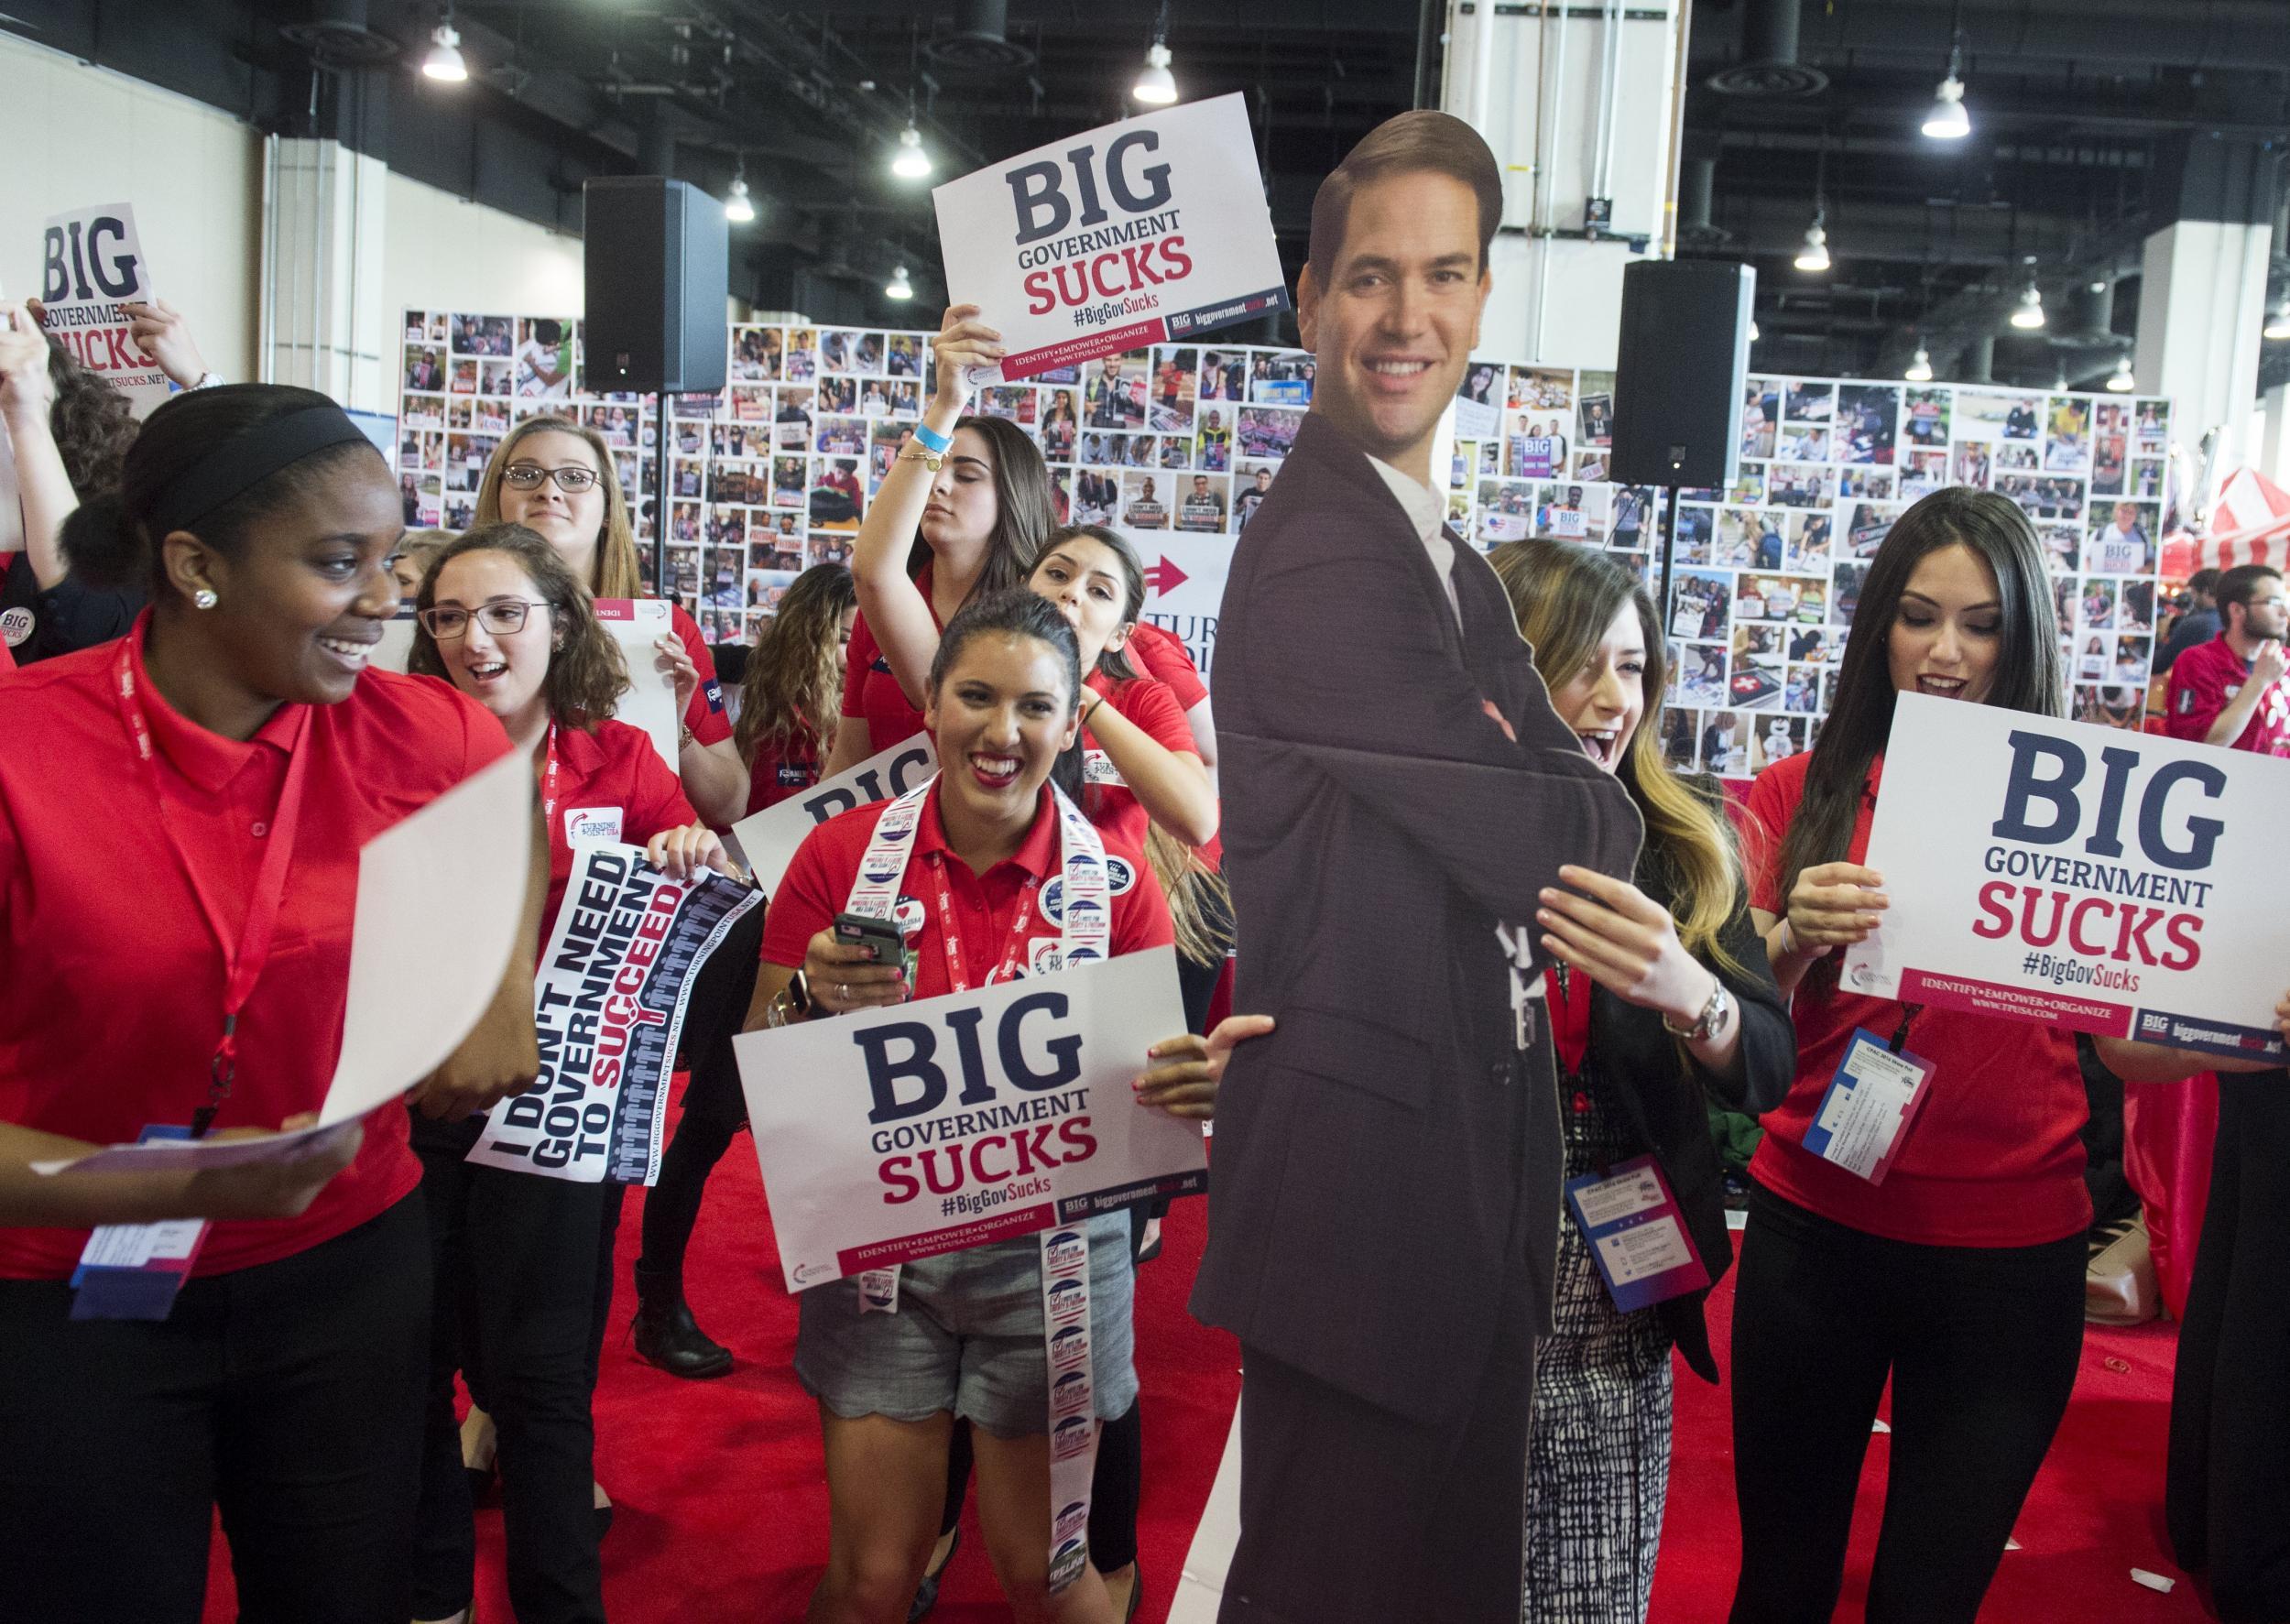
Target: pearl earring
x,y
204,597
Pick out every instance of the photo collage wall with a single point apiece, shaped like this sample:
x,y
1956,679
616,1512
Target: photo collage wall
x,y
774,474
465,379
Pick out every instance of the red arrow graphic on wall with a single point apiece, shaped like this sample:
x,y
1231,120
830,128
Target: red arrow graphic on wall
x,y
1164,578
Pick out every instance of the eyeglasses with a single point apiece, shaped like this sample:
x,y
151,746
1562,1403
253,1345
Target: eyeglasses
x,y
572,479
500,618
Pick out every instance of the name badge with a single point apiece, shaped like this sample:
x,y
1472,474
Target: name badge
x,y
133,1271
1869,1107
1637,1235
589,825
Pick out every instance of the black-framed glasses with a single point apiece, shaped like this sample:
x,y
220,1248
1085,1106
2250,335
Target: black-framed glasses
x,y
572,479
500,618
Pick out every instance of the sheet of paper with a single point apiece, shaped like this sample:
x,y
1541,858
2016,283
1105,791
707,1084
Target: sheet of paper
x,y
461,859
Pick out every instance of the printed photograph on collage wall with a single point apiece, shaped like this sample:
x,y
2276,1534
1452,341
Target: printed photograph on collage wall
x,y
1178,445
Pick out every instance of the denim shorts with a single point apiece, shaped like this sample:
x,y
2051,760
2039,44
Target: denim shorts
x,y
968,1338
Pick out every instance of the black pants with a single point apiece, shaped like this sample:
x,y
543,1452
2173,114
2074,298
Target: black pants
x,y
714,1108
289,1394
1981,1345
2227,1494
1353,1514
517,1264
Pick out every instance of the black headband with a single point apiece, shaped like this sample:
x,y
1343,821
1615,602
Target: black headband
x,y
245,460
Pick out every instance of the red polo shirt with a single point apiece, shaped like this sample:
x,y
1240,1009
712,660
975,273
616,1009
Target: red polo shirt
x,y
2204,682
870,692
1161,655
1993,1158
111,978
611,785
783,767
704,716
818,884
1106,796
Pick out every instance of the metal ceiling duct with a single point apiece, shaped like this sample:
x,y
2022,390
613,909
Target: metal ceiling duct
x,y
336,34
1769,65
979,42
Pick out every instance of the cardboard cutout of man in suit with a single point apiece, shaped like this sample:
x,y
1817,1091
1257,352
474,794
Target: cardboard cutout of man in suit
x,y
1385,1205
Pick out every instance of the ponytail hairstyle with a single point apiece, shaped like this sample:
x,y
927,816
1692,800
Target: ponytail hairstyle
x,y
112,542
586,675
1564,596
2030,674
93,423
1114,662
619,573
1021,612
794,680
1025,507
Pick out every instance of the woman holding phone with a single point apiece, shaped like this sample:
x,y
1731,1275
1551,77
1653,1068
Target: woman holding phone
x,y
504,619
1003,703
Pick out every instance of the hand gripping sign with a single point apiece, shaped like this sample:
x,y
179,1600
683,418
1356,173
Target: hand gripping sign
x,y
2109,882
607,1006
767,840
1153,230
932,1126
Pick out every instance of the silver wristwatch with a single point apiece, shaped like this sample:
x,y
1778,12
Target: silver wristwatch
x,y
1712,1016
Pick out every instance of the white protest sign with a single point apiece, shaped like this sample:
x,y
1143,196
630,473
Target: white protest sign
x,y
932,1126
463,858
91,264
636,625
768,839
1184,588
1150,231
608,1004
650,700
2079,876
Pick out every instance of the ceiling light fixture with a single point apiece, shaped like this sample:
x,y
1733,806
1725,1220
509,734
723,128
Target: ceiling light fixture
x,y
1754,333
911,162
899,288
737,207
2030,314
2278,324
1947,120
1156,86
1920,369
1815,255
2120,379
444,62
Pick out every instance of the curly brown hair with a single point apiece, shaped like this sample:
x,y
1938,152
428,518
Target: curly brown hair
x,y
795,680
586,675
93,422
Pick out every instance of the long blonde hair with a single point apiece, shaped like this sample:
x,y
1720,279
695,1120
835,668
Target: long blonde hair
x,y
617,573
1565,596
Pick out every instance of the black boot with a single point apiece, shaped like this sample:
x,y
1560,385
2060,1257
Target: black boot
x,y
666,1334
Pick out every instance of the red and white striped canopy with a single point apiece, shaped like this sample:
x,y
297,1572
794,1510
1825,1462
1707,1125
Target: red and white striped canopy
x,y
2250,524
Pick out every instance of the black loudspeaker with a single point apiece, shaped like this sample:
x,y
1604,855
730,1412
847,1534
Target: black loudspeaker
x,y
1679,375
655,269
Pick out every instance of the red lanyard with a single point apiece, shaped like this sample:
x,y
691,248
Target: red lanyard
x,y
549,781
242,966
1568,994
950,930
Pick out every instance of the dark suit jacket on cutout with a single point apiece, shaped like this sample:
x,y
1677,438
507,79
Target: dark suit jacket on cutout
x,y
1369,1199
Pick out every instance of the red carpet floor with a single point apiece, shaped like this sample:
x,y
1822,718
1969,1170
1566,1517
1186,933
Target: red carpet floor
x,y
722,1504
